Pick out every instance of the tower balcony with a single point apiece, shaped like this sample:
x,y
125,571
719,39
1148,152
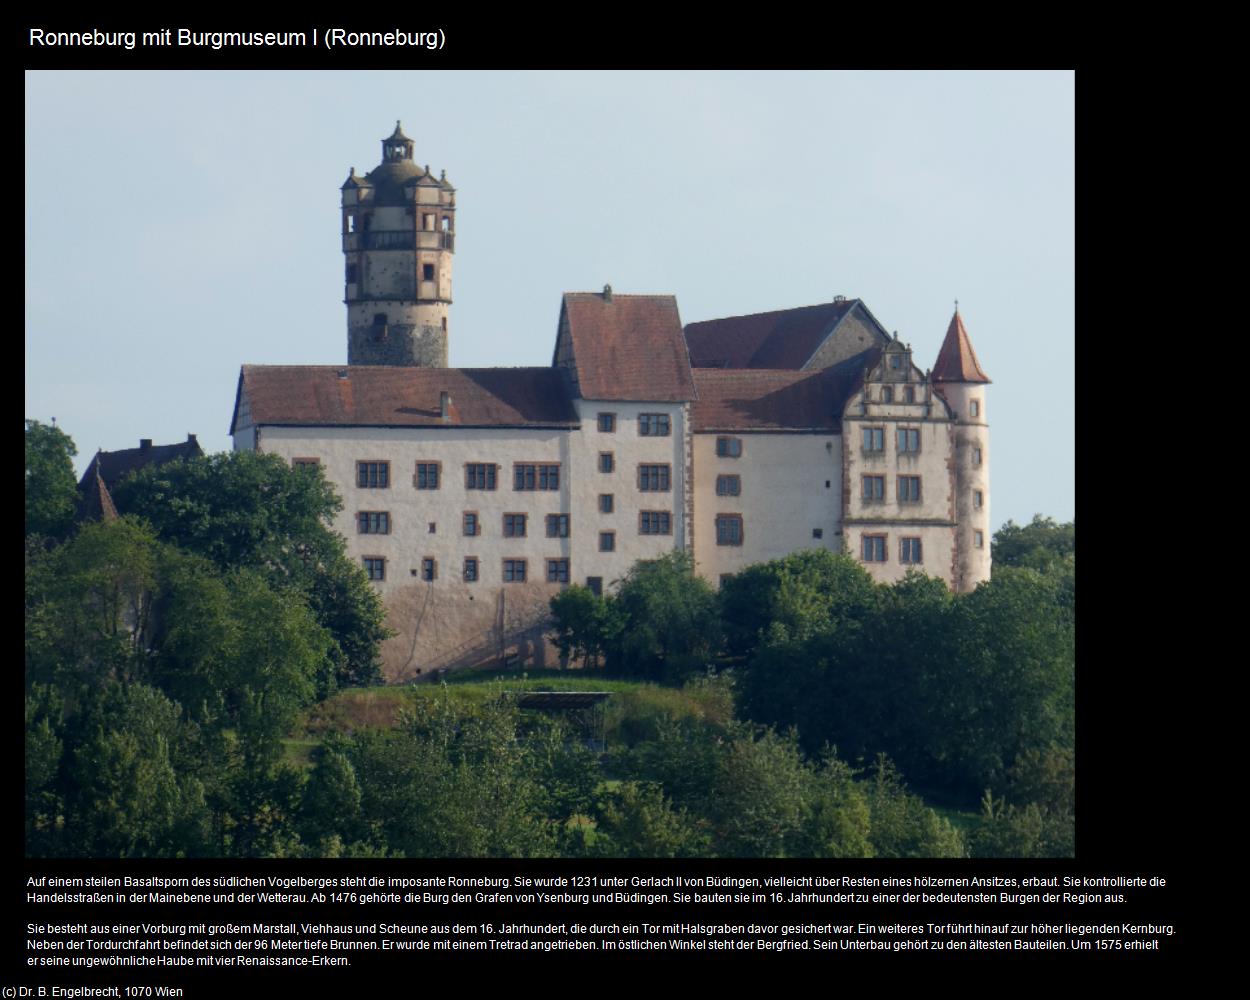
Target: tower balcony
x,y
399,239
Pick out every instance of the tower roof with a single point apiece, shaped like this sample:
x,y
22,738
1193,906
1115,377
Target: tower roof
x,y
957,361
397,135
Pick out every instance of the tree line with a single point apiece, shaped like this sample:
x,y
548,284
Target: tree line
x,y
171,651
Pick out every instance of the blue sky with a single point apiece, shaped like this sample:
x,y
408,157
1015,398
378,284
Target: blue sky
x,y
181,224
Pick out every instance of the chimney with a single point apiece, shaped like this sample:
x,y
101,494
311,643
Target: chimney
x,y
607,293
145,444
444,406
191,439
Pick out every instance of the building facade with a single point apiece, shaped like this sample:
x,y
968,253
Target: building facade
x,y
471,496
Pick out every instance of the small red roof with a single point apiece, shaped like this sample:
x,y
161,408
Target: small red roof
x,y
626,347
394,396
957,361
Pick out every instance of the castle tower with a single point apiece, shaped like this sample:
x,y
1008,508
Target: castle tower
x,y
957,375
399,234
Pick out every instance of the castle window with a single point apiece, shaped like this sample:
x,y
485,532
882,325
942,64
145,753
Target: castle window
x,y
353,272
607,503
373,475
978,539
479,477
908,439
305,463
909,394
655,522
874,548
429,569
427,220
978,499
557,526
514,571
729,529
536,477
974,408
818,532
874,439
887,394
896,361
375,567
470,569
607,422
909,489
909,552
607,541
373,522
595,584
433,527
653,478
446,224
728,486
351,222
557,571
728,447
514,525
653,425
976,456
427,475
607,461
872,489
472,528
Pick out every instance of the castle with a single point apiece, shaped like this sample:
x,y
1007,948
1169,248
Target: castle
x,y
472,495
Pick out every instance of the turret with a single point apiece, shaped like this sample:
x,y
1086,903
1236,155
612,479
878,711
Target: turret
x,y
399,232
957,375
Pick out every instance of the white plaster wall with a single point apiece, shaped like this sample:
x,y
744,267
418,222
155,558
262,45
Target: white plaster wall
x,y
784,497
933,519
438,622
973,562
630,449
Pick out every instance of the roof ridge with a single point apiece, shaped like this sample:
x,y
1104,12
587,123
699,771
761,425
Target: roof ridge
x,y
770,312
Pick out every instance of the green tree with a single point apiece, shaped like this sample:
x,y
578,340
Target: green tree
x,y
793,598
635,820
51,486
902,825
586,625
1038,545
671,623
248,510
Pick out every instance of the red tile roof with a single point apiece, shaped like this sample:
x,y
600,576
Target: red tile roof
x,y
114,466
784,339
626,347
738,399
391,396
957,362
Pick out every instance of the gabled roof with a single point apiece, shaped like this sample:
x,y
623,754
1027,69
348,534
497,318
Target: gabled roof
x,y
787,338
392,396
114,466
738,399
626,347
957,361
